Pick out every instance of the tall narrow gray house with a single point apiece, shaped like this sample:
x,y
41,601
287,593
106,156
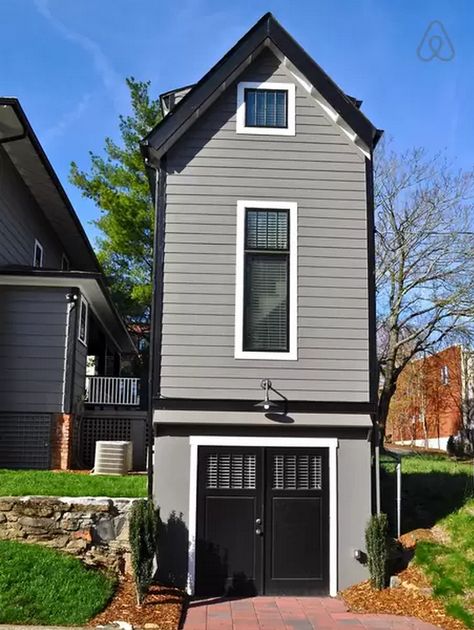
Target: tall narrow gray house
x,y
264,345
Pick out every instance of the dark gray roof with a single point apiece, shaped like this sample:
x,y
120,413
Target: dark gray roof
x,y
166,132
27,155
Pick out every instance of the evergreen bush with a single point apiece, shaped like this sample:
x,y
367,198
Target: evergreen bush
x,y
143,542
377,543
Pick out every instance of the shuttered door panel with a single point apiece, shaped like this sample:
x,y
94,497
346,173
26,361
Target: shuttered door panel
x,y
297,522
228,553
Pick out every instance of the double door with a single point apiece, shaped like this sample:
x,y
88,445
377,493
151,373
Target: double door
x,y
262,521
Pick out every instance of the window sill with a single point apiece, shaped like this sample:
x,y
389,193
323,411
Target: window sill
x,y
266,356
267,131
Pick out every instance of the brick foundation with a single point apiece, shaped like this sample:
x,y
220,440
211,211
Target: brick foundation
x,y
61,441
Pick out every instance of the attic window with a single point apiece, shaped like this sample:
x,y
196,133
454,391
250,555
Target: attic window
x,y
266,108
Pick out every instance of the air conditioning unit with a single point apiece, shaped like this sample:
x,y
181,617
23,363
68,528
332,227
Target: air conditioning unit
x,y
112,458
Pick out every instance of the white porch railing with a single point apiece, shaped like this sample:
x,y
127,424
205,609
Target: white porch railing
x,y
112,390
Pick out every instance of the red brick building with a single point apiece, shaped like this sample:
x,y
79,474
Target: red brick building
x,y
432,397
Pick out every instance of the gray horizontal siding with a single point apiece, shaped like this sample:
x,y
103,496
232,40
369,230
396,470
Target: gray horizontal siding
x,y
32,347
209,169
22,221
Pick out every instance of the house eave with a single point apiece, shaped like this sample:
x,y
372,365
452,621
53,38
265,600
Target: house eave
x,y
23,148
90,284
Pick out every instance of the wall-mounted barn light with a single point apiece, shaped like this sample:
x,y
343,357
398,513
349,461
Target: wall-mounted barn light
x,y
266,404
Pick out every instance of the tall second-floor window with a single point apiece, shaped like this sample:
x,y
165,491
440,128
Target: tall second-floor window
x,y
266,282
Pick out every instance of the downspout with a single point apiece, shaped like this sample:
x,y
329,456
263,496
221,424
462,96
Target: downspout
x,y
151,362
72,298
377,467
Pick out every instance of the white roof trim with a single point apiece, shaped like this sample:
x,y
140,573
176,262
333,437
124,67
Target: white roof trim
x,y
320,100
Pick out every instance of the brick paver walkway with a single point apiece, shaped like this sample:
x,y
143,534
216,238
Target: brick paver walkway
x,y
289,613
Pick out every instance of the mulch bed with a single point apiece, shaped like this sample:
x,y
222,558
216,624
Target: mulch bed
x,y
362,598
162,607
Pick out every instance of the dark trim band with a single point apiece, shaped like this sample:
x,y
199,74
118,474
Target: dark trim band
x,y
294,406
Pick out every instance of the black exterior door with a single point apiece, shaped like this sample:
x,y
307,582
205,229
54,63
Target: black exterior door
x,y
263,521
229,553
297,522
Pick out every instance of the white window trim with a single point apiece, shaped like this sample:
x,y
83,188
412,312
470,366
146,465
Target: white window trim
x,y
41,249
286,442
289,130
83,304
239,353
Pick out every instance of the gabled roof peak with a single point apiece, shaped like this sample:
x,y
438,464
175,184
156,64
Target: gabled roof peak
x,y
266,31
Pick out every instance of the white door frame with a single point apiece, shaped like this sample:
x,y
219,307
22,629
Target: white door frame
x,y
285,442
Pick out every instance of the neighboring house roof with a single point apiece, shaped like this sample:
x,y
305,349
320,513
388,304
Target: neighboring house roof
x,y
91,285
267,31
27,155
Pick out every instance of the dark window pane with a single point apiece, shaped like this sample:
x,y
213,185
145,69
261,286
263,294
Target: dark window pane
x,y
266,302
265,108
251,108
280,114
266,229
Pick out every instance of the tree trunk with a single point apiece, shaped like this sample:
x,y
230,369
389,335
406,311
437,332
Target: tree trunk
x,y
386,395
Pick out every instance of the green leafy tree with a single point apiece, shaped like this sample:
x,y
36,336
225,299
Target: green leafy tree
x,y
117,183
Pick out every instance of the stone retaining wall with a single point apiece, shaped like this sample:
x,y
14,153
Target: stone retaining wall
x,y
93,529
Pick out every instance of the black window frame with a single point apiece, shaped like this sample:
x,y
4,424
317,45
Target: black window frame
x,y
266,90
264,252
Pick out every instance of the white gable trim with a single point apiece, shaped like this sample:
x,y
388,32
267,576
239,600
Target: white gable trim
x,y
330,112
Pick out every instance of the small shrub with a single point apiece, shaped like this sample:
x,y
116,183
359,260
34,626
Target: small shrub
x,y
143,541
377,543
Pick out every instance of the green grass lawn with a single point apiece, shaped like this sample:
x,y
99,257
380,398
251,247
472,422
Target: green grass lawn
x,y
433,486
450,567
42,586
46,482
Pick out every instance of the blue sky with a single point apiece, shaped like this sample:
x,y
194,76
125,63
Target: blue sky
x,y
67,61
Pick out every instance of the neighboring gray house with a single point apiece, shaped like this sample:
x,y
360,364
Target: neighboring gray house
x,y
55,309
263,332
